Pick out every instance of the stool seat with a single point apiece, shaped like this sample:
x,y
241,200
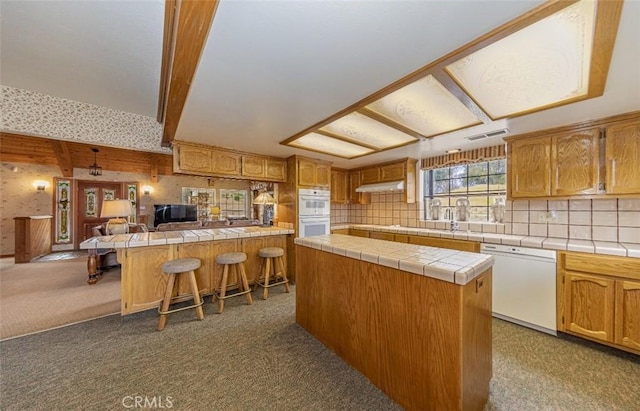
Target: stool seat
x,y
181,265
231,258
230,261
271,252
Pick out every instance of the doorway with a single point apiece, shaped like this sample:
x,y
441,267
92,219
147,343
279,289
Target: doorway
x,y
90,195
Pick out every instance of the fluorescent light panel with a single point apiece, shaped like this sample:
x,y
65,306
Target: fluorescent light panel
x,y
426,107
330,145
542,64
359,128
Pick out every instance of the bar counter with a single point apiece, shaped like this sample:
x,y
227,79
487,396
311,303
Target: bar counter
x,y
141,256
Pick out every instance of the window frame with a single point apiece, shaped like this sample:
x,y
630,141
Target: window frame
x,y
430,185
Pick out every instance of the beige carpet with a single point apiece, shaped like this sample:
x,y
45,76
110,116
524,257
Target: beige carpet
x,y
40,296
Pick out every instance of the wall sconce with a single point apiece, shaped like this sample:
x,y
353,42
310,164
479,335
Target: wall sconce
x,y
147,190
40,185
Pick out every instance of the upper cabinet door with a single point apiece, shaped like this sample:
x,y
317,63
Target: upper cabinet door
x,y
193,159
339,184
393,172
574,163
323,175
371,175
306,173
623,158
225,163
276,170
253,167
529,166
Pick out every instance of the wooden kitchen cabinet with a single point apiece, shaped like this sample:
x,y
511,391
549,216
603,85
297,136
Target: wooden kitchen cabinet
x,y
381,235
225,163
199,159
370,175
276,169
339,186
192,159
622,149
402,170
355,181
460,245
529,167
264,169
599,298
393,172
359,233
589,305
314,173
575,163
627,314
572,161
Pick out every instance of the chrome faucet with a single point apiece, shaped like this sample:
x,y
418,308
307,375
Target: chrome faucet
x,y
449,214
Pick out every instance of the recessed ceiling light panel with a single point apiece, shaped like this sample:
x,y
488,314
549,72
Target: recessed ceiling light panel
x,y
426,107
323,144
538,66
362,129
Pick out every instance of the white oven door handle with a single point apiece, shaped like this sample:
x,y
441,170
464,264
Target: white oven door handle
x,y
315,220
314,198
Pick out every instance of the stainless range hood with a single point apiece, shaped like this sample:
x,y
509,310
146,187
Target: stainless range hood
x,y
381,187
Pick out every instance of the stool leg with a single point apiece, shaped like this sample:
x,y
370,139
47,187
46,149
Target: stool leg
x,y
260,274
243,277
165,301
223,288
196,295
284,273
267,274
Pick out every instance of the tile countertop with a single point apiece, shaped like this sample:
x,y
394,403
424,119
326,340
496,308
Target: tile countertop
x,y
459,267
179,237
584,246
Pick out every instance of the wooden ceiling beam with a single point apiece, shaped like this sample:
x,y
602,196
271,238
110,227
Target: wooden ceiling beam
x,y
194,19
18,148
63,155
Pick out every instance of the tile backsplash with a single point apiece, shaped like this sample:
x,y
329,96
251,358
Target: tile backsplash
x,y
616,220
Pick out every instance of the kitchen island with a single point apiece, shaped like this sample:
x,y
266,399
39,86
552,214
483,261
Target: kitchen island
x,y
415,320
141,256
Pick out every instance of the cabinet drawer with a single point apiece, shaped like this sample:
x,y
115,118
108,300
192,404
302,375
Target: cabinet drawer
x,y
626,267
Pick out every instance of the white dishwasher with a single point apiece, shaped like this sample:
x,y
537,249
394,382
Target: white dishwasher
x,y
524,286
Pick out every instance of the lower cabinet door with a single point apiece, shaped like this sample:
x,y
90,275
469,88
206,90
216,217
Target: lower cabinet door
x,y
589,306
628,314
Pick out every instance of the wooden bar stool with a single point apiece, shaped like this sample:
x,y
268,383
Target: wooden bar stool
x,y
174,268
272,257
234,260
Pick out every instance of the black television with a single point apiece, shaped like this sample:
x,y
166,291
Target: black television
x,y
173,213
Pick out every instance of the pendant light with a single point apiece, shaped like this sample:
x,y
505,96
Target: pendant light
x,y
95,169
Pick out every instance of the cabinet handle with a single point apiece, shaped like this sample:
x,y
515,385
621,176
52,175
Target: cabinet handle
x,y
613,171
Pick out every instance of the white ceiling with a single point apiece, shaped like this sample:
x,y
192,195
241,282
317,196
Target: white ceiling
x,y
106,53
271,69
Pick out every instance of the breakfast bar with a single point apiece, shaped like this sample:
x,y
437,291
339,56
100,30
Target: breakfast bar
x,y
141,256
415,320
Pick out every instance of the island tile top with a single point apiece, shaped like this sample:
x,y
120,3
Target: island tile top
x,y
458,267
179,237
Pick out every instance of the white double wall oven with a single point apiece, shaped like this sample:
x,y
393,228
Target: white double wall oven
x,y
314,212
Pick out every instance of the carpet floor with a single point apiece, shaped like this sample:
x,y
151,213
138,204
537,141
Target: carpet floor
x,y
45,295
257,358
